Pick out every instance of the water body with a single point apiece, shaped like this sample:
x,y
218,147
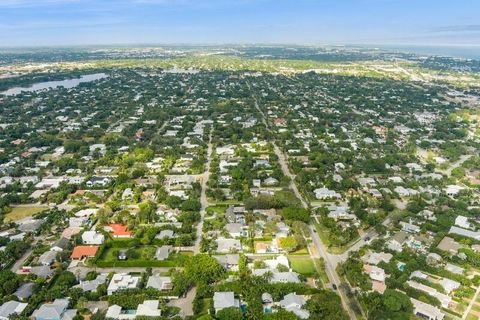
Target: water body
x,y
68,83
463,52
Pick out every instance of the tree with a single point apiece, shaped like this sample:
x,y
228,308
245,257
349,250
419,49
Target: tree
x,y
296,214
203,268
326,305
288,244
232,313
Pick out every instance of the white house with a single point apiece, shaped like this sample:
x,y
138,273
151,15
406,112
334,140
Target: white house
x,y
93,237
426,311
122,281
10,308
462,222
295,303
325,193
223,300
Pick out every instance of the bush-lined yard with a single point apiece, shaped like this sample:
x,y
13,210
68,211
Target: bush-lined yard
x,y
141,256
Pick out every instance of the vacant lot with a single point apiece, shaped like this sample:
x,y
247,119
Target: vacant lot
x,y
143,257
302,264
19,213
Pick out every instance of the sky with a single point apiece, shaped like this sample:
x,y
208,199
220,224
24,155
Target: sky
x,y
310,22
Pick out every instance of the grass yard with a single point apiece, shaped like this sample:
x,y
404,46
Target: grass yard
x,y
145,257
323,233
302,265
19,213
216,210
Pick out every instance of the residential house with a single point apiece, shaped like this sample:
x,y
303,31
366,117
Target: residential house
x,y
97,181
93,238
295,303
92,285
163,252
223,300
47,258
82,252
165,234
60,245
228,261
462,222
228,245
122,281
11,308
119,231
397,241
160,283
465,232
56,310
426,311
449,245
24,291
325,194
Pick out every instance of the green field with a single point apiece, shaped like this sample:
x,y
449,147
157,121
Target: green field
x,y
145,258
302,265
19,213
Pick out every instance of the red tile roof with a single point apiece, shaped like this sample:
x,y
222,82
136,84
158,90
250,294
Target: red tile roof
x,y
120,230
80,252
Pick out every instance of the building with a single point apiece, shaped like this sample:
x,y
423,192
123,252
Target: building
x,y
465,232
228,245
165,234
163,252
119,230
25,291
450,245
60,245
81,252
56,310
47,258
223,300
122,281
462,222
426,311
397,241
10,308
93,238
325,193
92,285
228,261
98,181
149,308
295,303
160,283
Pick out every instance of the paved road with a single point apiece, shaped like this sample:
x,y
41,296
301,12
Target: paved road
x,y
185,304
321,250
203,196
19,264
470,305
456,164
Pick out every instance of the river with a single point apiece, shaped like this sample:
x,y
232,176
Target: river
x,y
68,83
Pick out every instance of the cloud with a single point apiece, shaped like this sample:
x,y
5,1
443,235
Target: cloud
x,y
457,28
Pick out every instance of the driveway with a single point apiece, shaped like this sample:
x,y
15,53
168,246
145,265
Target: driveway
x,y
185,304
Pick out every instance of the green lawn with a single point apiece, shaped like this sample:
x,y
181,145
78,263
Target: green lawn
x,y
146,258
216,210
19,213
323,233
302,265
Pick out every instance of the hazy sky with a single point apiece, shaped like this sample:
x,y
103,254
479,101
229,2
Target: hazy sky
x,y
76,22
